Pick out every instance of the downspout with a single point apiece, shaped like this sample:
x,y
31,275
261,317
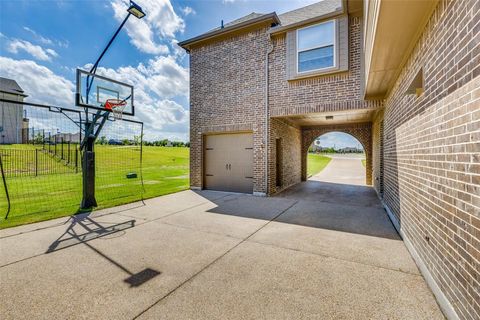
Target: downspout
x,y
270,50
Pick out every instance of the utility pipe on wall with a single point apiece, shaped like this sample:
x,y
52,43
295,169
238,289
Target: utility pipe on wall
x,y
270,50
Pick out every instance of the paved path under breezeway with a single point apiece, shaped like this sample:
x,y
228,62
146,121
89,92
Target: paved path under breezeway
x,y
344,169
319,250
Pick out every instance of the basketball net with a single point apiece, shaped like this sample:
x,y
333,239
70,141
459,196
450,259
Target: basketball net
x,y
116,106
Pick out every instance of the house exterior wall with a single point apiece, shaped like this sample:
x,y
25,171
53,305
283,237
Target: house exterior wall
x,y
227,94
361,131
334,92
341,51
377,153
291,165
432,153
11,119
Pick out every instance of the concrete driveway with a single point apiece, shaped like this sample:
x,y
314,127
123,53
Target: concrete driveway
x,y
317,251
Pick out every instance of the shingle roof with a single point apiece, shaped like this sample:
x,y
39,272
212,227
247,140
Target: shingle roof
x,y
250,16
314,10
250,19
285,20
10,86
309,12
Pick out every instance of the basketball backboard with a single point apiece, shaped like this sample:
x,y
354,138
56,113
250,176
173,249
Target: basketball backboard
x,y
93,91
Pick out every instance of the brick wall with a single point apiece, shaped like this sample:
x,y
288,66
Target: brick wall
x,y
291,166
432,153
377,153
361,131
335,92
227,81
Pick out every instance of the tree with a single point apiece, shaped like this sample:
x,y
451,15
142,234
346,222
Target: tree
x,y
38,138
137,140
102,140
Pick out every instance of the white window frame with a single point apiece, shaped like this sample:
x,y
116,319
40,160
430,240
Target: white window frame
x,y
334,47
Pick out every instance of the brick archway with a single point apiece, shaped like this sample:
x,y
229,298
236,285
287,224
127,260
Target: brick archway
x,y
361,131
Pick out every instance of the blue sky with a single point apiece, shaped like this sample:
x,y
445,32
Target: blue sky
x,y
338,140
43,42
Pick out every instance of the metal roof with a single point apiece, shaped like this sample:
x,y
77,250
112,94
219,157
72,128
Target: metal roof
x,y
11,86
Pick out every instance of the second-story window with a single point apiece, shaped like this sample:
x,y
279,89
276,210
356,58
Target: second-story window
x,y
316,47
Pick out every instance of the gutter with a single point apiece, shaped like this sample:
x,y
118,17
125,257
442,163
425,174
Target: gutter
x,y
269,50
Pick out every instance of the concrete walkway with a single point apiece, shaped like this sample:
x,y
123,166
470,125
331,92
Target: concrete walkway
x,y
343,169
317,251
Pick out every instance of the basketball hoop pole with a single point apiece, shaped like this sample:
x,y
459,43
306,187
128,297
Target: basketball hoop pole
x,y
133,9
88,159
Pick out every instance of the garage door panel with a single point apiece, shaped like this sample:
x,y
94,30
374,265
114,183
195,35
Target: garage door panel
x,y
215,159
229,162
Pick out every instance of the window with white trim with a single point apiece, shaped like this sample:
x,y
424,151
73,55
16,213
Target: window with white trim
x,y
316,47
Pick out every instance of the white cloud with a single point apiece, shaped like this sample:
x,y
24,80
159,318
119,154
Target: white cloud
x,y
16,45
156,83
160,22
161,76
51,52
162,116
38,37
39,83
188,10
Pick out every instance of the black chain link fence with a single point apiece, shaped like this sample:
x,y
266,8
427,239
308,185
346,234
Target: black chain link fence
x,y
41,163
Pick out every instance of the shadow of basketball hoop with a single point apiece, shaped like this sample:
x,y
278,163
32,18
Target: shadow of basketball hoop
x,y
94,230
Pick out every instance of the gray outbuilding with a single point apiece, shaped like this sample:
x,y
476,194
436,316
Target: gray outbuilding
x,y
11,113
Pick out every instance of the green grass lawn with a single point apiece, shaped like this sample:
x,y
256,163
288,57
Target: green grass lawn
x,y
316,163
46,196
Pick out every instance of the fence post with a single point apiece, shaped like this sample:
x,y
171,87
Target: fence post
x,y
61,141
36,162
5,185
76,160
68,151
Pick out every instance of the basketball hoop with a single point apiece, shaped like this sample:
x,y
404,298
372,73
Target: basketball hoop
x,y
116,106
